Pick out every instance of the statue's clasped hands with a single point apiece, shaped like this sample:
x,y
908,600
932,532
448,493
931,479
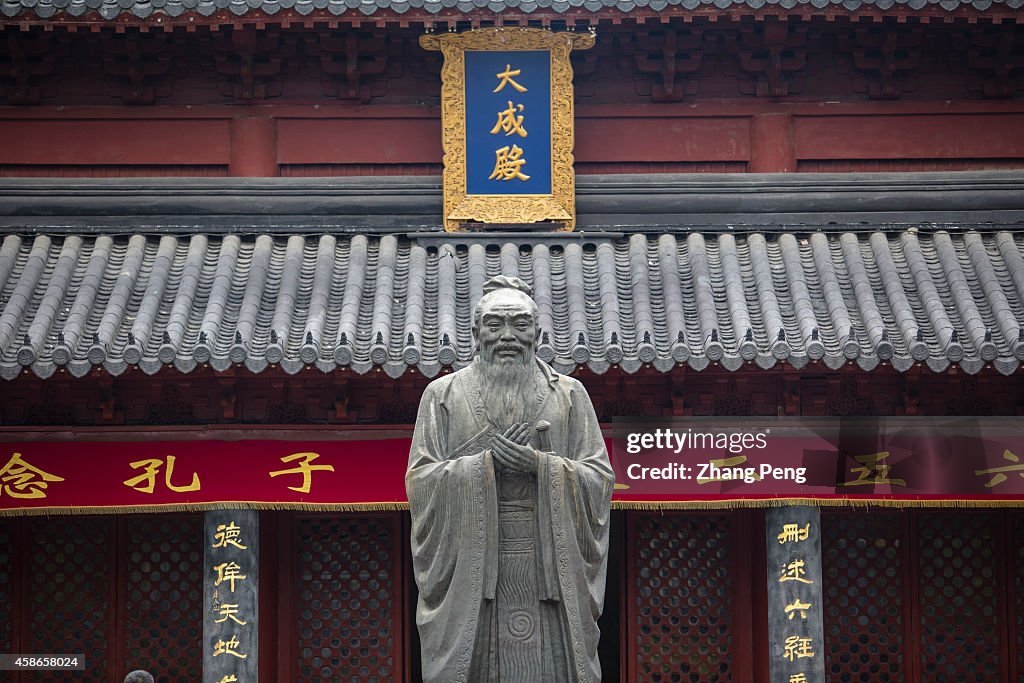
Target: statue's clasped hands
x,y
512,451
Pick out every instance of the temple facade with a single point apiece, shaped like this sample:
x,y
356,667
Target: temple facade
x,y
222,242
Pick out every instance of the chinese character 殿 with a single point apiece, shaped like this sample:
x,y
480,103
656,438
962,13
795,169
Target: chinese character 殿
x,y
508,163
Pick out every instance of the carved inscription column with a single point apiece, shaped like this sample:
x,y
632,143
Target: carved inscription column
x,y
229,596
795,626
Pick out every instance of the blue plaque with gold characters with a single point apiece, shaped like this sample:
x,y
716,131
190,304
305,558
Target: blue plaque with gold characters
x,y
507,122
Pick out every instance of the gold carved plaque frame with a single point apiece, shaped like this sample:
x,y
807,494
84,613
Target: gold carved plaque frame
x,y
461,207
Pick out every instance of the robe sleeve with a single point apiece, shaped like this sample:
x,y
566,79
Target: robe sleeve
x,y
453,504
575,487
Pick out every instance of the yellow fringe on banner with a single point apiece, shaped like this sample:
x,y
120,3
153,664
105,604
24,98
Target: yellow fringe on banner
x,y
652,506
200,507
819,502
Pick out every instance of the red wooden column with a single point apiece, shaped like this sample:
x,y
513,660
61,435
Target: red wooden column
x,y
772,149
253,147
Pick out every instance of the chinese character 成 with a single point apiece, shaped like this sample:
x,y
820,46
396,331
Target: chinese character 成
x,y
873,471
507,164
230,572
228,534
151,470
510,122
304,468
22,480
1000,477
793,532
506,79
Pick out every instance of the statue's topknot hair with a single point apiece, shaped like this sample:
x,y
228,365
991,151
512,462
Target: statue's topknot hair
x,y
504,282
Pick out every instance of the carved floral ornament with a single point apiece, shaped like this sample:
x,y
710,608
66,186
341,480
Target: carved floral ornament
x,y
498,174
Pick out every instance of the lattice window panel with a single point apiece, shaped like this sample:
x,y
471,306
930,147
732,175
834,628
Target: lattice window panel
x,y
6,578
70,591
164,595
681,612
959,597
863,597
347,588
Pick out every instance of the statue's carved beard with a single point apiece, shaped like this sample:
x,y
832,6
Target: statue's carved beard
x,y
507,385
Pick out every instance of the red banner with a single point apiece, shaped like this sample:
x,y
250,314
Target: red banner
x,y
692,463
901,461
110,475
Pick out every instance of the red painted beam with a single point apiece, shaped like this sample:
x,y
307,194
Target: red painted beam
x,y
369,140
114,142
601,139
772,148
643,139
254,147
925,136
254,144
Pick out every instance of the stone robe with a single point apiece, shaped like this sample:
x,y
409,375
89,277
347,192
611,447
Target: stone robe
x,y
453,487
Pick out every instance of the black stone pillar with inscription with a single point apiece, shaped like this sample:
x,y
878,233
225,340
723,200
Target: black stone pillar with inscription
x,y
229,596
795,625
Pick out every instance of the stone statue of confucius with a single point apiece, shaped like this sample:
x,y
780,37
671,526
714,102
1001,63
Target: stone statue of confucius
x,y
510,489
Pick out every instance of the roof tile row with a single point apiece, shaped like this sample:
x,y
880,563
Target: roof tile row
x,y
113,9
389,302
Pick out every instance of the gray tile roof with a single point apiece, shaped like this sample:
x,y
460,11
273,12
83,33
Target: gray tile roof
x,y
143,9
394,302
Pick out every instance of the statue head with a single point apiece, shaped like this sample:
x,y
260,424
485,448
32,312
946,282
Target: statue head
x,y
505,326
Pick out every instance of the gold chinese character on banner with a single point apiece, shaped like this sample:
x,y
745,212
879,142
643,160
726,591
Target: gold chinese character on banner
x,y
304,468
794,571
151,469
228,534
222,647
506,79
873,471
999,472
507,164
22,480
229,678
797,606
798,678
793,533
798,647
509,122
230,572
